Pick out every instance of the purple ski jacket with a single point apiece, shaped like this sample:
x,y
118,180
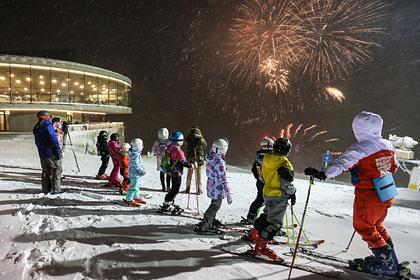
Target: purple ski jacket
x,y
217,185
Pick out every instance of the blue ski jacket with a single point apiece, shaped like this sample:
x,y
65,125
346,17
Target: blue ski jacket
x,y
46,139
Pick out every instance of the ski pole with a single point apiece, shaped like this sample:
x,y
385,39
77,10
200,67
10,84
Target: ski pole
x,y
311,182
74,154
351,239
303,231
287,230
197,189
293,229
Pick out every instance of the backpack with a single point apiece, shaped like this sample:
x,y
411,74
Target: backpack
x,y
165,163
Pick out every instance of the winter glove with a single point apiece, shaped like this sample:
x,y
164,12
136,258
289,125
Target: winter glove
x,y
229,198
315,173
292,199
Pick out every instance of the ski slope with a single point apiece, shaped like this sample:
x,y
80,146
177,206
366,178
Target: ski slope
x,y
85,234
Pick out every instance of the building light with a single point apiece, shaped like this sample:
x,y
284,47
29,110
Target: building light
x,y
41,82
89,83
12,75
26,89
63,84
3,78
54,81
71,92
28,79
41,77
81,93
18,81
81,86
53,110
42,89
58,90
76,83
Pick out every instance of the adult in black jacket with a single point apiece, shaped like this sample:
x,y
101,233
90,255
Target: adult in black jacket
x,y
102,146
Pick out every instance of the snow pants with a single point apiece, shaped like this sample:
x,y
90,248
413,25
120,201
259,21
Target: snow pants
x,y
51,174
271,221
114,177
198,171
162,181
176,183
211,212
257,203
368,215
104,165
134,189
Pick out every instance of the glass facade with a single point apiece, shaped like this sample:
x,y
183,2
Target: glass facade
x,y
35,84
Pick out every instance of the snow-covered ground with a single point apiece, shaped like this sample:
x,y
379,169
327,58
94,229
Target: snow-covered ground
x,y
84,234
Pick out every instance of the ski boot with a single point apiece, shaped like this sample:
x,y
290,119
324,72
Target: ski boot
x,y
217,224
140,200
252,236
262,251
131,203
403,267
170,208
381,263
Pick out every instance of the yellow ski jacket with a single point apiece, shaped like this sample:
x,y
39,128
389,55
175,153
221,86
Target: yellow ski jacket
x,y
272,181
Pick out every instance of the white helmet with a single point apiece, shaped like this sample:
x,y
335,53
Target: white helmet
x,y
163,134
267,144
126,146
220,146
137,142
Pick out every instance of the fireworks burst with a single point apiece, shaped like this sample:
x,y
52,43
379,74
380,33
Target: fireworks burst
x,y
339,36
335,93
264,41
324,39
300,135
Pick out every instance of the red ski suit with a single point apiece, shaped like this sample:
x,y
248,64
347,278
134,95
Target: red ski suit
x,y
371,157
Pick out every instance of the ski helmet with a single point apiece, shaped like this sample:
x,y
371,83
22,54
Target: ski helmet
x,y
267,144
220,146
125,146
103,133
115,137
56,119
137,142
163,133
282,146
177,138
43,115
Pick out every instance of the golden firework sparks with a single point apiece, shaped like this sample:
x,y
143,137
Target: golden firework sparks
x,y
335,93
339,36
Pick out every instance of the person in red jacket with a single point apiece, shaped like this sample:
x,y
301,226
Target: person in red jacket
x,y
123,160
370,158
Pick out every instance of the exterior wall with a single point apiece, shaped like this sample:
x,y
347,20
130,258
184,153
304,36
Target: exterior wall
x,y
83,136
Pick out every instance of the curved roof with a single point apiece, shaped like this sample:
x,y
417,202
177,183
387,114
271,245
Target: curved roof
x,y
61,64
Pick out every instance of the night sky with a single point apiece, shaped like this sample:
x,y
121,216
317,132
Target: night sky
x,y
173,51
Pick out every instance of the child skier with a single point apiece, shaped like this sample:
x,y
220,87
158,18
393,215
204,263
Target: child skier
x,y
158,149
114,151
135,171
217,185
371,157
177,162
278,188
266,146
102,147
123,161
